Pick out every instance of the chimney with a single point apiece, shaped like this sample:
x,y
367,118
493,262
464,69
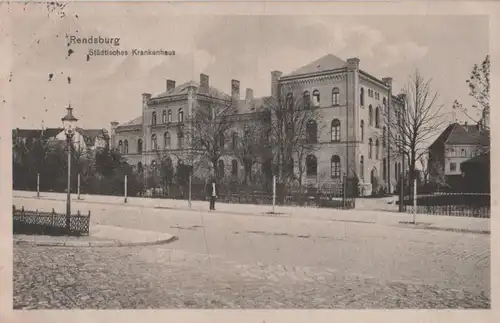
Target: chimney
x,y
275,76
170,85
465,126
249,99
235,89
353,63
204,84
114,124
145,98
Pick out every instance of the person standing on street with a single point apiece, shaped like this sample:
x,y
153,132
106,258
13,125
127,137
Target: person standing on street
x,y
213,196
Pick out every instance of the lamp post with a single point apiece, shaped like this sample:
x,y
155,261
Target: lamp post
x,y
69,125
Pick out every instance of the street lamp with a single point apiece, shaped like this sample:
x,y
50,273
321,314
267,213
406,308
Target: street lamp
x,y
69,125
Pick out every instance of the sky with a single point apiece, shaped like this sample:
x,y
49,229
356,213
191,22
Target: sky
x,y
243,47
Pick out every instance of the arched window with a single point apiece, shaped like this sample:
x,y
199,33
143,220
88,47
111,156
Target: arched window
x,y
335,166
153,118
180,115
164,116
169,117
384,102
125,147
362,97
234,167
289,101
167,140
154,142
139,146
120,146
234,139
221,168
370,148
335,96
180,139
396,177
311,165
307,100
362,126
316,98
140,168
462,152
377,117
362,167
312,131
383,136
376,149
370,115
335,130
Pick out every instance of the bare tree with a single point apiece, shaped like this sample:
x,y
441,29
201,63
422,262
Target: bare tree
x,y
207,131
479,89
251,144
412,127
295,125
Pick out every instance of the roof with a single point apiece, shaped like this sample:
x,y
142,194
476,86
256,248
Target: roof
x,y
441,139
483,159
89,135
325,63
33,133
457,134
134,122
183,89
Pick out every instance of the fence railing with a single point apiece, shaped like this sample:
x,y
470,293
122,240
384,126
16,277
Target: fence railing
x,y
49,223
476,205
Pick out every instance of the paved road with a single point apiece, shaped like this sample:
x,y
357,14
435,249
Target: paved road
x,y
237,261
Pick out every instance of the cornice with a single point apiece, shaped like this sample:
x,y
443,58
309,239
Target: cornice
x,y
304,79
173,98
367,77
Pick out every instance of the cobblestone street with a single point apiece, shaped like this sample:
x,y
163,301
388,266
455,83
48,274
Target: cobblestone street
x,y
235,261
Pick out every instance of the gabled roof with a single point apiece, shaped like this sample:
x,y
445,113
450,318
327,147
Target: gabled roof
x,y
36,133
457,134
134,122
183,89
90,135
325,63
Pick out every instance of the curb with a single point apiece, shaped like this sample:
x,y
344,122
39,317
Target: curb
x,y
430,227
94,244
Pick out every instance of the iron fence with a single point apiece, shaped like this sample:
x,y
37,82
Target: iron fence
x,y
476,205
49,223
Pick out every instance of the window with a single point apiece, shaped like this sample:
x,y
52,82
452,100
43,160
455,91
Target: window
x,y
234,140
167,140
289,101
453,167
164,117
180,115
125,147
335,96
370,147
335,130
384,168
362,167
335,166
362,97
463,153
377,117
312,131
234,167
370,115
221,168
154,142
362,126
153,118
316,98
311,165
139,146
139,167
307,100
384,102
383,136
376,149
169,118
180,139
120,146
221,141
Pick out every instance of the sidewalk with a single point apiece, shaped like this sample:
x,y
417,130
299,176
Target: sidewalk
x,y
100,236
447,223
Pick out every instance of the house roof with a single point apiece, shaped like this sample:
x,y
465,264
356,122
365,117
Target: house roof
x,y
183,89
325,63
90,135
457,134
134,122
483,159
